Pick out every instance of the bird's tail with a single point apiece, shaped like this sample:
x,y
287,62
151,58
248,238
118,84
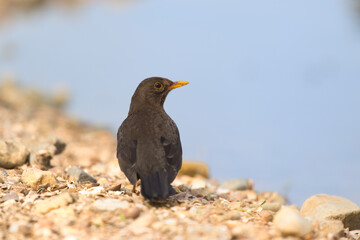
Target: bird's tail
x,y
156,186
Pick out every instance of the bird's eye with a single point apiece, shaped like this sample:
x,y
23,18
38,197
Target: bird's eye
x,y
158,85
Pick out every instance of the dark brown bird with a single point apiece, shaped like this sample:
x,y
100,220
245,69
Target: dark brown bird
x,y
149,146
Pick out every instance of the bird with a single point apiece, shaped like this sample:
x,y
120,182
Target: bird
x,y
148,141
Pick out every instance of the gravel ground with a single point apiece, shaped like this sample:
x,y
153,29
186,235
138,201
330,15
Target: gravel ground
x,y
66,184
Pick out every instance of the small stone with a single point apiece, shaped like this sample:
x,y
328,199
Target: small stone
x,y
355,234
97,221
34,178
194,168
10,196
115,188
13,180
289,222
93,191
55,202
203,193
326,207
183,188
272,197
132,213
272,206
80,175
12,154
43,152
232,216
58,144
237,184
266,215
110,204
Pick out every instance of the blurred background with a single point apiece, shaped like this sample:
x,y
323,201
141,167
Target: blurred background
x,y
274,85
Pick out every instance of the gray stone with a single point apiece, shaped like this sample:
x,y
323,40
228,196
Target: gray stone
x,y
80,175
289,222
326,207
237,184
34,178
110,204
12,154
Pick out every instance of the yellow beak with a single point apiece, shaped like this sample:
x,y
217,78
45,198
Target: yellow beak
x,y
178,84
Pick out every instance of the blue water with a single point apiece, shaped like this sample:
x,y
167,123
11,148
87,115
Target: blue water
x,y
274,85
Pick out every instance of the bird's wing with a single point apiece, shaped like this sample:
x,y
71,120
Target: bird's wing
x,y
173,155
126,154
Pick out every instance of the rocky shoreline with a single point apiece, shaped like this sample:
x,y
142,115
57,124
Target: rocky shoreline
x,y
59,179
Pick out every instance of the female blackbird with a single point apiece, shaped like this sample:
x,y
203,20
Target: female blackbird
x,y
149,146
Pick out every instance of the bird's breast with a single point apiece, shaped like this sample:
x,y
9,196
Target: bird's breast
x,y
151,124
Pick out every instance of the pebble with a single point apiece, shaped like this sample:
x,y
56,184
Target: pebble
x,y
355,234
237,184
200,192
93,191
33,178
110,204
327,207
10,196
232,216
12,154
289,222
266,215
13,180
43,152
132,212
80,175
55,202
272,197
272,206
192,168
57,143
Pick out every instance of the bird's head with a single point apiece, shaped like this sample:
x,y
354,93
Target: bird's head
x,y
152,92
